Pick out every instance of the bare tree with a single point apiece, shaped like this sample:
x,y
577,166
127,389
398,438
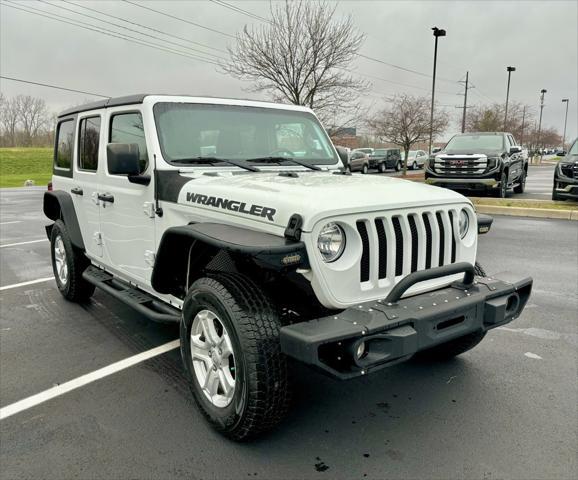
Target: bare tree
x,y
406,121
33,116
9,119
490,118
302,56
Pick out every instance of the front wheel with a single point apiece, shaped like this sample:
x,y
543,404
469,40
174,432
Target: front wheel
x,y
365,169
502,190
232,355
414,166
382,167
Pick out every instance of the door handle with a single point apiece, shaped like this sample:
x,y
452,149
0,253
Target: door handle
x,y
77,191
106,197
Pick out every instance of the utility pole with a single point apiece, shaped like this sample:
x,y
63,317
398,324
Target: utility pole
x,y
437,32
465,102
566,101
509,70
542,92
523,124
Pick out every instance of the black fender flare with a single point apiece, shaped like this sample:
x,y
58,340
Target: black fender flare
x,y
179,244
58,205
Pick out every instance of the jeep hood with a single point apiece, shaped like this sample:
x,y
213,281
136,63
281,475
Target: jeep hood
x,y
273,198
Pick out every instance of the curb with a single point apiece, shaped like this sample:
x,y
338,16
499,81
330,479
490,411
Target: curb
x,y
528,212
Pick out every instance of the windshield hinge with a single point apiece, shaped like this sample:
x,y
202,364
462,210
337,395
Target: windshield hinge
x,y
293,230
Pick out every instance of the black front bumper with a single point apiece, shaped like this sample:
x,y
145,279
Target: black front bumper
x,y
395,331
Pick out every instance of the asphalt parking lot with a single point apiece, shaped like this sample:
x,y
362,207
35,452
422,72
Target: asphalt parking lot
x,y
507,409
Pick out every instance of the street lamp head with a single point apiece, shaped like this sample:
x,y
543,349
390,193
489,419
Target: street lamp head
x,y
565,100
438,32
511,69
543,90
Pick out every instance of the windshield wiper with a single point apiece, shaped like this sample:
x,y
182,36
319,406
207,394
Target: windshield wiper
x,y
280,159
213,160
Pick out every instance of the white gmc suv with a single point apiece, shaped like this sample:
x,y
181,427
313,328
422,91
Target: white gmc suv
x,y
240,221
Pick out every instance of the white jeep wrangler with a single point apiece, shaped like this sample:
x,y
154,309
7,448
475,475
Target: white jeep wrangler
x,y
240,221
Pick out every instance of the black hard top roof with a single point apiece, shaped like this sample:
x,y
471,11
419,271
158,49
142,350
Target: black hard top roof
x,y
109,102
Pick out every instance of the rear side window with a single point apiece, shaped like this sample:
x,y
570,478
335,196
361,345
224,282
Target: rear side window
x,y
64,145
129,128
88,141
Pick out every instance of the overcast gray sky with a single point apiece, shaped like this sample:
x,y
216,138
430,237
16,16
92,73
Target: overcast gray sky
x,y
539,38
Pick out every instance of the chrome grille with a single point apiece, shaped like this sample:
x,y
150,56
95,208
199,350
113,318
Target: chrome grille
x,y
406,243
460,164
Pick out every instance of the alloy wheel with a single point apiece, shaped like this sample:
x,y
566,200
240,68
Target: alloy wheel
x,y
60,260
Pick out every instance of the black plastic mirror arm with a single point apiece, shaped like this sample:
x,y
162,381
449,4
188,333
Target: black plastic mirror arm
x,y
422,275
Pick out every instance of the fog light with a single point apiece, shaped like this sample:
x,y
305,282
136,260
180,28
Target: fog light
x,y
360,352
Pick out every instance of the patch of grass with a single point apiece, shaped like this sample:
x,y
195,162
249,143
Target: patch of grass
x,y
525,203
20,164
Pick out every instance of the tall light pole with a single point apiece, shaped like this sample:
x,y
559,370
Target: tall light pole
x,y
542,92
437,32
509,70
567,102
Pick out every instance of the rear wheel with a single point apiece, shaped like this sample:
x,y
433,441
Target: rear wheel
x,y
232,355
398,166
522,185
68,264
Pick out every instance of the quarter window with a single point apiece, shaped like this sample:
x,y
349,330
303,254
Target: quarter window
x,y
88,141
129,128
64,144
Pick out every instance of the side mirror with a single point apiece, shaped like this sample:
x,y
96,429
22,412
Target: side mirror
x,y
343,156
515,149
123,158
484,223
436,150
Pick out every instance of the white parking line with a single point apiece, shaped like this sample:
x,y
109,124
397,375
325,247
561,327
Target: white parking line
x,y
23,284
23,243
54,392
9,223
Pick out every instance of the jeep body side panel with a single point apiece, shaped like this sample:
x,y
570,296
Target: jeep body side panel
x,y
180,245
58,204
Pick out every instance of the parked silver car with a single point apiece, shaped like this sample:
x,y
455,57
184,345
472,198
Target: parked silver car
x,y
416,159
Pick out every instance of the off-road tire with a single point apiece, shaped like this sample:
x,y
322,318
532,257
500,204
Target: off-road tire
x,y
398,166
522,185
364,169
479,270
262,392
381,167
75,289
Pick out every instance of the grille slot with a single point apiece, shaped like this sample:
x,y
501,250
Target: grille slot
x,y
382,243
442,237
364,264
451,214
414,242
456,165
398,246
428,240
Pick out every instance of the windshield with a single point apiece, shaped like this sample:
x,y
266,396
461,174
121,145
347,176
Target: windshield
x,y
475,143
574,148
192,131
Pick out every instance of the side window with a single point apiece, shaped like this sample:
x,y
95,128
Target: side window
x,y
129,128
64,145
512,141
88,141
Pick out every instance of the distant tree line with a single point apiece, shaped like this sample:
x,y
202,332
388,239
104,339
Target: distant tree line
x,y
25,121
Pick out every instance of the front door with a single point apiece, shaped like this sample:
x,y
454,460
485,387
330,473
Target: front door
x,y
126,209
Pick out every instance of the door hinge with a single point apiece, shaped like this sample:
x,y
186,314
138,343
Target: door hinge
x,y
94,198
150,258
97,238
149,209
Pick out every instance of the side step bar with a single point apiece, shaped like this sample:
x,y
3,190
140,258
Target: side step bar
x,y
142,302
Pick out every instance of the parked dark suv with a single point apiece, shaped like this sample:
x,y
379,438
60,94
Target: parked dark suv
x,y
566,176
482,162
385,158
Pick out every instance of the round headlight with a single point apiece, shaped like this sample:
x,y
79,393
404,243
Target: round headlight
x,y
331,242
464,223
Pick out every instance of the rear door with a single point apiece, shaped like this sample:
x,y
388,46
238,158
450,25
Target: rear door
x,y
89,159
127,216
